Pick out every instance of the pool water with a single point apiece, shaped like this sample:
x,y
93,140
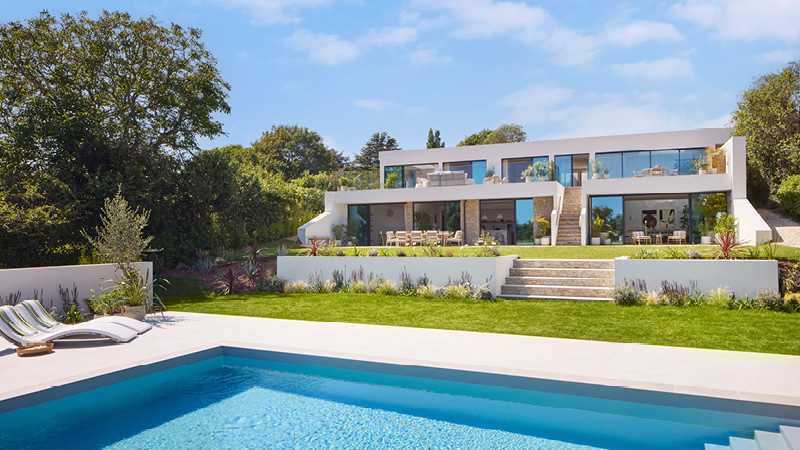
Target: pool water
x,y
232,402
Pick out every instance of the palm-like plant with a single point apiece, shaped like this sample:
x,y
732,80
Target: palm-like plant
x,y
314,246
254,251
727,245
227,284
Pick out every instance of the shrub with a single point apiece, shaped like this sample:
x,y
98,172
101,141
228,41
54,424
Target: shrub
x,y
357,287
273,284
431,250
204,266
426,291
674,253
372,252
400,252
725,223
720,296
675,294
482,292
299,287
407,287
282,250
791,302
644,253
768,300
327,287
788,195
457,291
372,285
387,287
727,245
227,282
692,253
625,295
649,298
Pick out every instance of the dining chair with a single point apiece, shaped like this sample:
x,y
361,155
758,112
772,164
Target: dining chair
x,y
390,239
416,237
402,238
457,238
678,236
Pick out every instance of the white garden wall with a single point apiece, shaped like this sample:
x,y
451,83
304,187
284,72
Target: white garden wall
x,y
48,279
743,277
438,270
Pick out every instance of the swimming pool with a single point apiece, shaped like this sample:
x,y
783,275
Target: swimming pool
x,y
241,398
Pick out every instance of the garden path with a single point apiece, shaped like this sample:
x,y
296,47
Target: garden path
x,y
785,230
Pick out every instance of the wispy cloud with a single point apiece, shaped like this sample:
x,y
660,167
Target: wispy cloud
x,y
658,71
330,49
424,57
273,11
533,25
374,104
781,56
743,19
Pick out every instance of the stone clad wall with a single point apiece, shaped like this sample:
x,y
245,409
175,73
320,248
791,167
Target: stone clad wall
x,y
542,207
472,221
409,211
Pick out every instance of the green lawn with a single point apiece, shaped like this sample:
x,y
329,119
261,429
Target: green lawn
x,y
562,252
702,327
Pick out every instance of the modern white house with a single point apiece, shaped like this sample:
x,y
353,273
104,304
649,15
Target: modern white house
x,y
614,189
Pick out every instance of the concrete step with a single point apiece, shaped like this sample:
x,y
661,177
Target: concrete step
x,y
792,436
767,440
561,281
716,447
564,264
558,291
737,443
555,297
562,273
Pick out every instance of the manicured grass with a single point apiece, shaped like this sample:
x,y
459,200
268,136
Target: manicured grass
x,y
562,252
701,327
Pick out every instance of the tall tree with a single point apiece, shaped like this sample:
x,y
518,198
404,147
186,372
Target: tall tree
x,y
768,115
434,141
379,142
504,134
292,150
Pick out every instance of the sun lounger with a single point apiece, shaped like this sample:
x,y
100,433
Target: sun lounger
x,y
20,333
34,313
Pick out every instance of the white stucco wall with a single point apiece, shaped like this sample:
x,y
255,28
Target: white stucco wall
x,y
753,230
437,269
48,279
743,277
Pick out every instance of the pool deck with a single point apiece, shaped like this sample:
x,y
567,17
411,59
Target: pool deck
x,y
757,377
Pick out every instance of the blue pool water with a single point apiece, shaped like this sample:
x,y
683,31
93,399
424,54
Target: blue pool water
x,y
233,402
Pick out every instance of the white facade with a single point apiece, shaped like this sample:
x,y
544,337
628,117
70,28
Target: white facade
x,y
730,180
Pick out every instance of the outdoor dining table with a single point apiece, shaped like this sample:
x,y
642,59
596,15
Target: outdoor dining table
x,y
444,236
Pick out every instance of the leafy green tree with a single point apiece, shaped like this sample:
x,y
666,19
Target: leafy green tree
x,y
434,141
292,150
768,115
504,134
476,138
379,142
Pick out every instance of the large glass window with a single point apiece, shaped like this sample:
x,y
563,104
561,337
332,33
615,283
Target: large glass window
x,y
452,216
412,172
524,221
563,169
478,171
475,170
635,162
442,216
393,177
689,159
610,161
607,218
358,223
668,159
512,169
705,208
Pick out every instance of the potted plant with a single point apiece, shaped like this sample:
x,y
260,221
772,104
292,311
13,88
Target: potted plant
x,y
597,169
606,173
543,170
537,239
544,229
107,304
705,233
339,232
344,183
529,174
490,172
711,155
134,290
700,165
597,225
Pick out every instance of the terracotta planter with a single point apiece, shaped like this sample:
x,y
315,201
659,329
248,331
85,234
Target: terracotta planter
x,y
135,312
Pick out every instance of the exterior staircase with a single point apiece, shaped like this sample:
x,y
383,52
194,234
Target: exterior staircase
x,y
787,438
560,279
569,222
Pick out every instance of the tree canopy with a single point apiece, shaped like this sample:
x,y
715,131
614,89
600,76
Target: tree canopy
x,y
292,150
503,134
379,142
768,115
434,140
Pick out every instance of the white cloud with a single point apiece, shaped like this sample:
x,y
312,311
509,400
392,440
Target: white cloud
x,y
323,48
374,104
781,56
567,113
273,11
660,70
428,56
743,19
332,50
532,25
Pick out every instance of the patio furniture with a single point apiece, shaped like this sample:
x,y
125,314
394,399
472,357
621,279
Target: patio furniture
x,y
391,239
416,238
401,237
431,237
638,174
492,180
449,178
36,316
639,236
457,238
678,236
15,330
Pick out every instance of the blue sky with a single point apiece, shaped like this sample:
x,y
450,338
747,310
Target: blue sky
x,y
560,68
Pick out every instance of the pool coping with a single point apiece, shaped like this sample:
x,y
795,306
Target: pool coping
x,y
599,388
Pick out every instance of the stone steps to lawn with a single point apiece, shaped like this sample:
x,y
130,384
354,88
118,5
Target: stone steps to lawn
x,y
560,279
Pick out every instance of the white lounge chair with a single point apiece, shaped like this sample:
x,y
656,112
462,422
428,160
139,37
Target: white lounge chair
x,y
20,333
37,317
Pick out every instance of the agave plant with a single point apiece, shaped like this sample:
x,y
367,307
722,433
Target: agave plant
x,y
252,269
227,283
727,245
204,266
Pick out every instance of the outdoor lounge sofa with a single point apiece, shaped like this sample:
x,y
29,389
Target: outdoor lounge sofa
x,y
20,333
37,317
